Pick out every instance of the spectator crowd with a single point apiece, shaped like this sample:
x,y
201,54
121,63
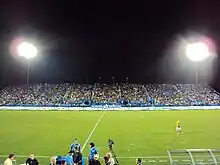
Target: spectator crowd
x,y
115,94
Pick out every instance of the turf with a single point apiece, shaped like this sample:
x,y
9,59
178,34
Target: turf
x,y
136,133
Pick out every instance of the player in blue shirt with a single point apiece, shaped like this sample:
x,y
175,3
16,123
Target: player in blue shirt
x,y
93,151
69,159
57,160
61,160
83,161
74,145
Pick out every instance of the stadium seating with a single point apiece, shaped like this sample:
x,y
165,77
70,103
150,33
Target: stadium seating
x,y
127,95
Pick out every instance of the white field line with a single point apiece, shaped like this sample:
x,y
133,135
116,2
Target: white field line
x,y
121,157
90,135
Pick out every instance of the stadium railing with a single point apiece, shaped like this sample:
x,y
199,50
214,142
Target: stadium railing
x,y
194,156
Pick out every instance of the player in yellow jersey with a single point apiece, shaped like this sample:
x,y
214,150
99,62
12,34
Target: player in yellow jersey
x,y
178,127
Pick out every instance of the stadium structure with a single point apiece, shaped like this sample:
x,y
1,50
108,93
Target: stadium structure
x,y
102,97
137,135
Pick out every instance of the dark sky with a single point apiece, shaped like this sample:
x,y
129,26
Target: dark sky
x,y
81,40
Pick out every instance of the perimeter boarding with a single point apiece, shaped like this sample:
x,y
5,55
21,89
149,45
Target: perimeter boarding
x,y
109,108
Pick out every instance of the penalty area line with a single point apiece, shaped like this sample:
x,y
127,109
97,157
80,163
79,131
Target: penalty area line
x,y
91,133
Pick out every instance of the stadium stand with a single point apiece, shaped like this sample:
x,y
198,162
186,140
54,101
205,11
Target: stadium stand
x,y
105,94
125,95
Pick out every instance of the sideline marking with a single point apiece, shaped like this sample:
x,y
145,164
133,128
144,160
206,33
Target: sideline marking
x,y
90,135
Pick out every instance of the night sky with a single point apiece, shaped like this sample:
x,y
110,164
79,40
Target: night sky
x,y
82,40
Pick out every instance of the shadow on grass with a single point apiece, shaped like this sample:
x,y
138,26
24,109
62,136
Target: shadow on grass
x,y
195,132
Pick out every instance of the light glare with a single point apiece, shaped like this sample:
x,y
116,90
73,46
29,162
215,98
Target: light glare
x,y
197,51
27,50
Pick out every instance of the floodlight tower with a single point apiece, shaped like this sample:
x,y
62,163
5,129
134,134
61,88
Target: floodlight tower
x,y
197,52
28,51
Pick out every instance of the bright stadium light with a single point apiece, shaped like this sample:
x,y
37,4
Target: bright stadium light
x,y
197,51
28,51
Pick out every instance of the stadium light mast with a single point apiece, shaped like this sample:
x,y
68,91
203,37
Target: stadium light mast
x,y
197,52
28,51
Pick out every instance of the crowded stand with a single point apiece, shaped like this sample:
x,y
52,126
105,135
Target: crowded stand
x,y
79,94
105,94
34,95
133,94
166,94
201,95
115,94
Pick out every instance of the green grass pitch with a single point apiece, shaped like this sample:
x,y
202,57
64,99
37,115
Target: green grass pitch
x,y
136,133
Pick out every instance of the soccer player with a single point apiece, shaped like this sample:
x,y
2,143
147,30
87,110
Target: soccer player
x,y
93,151
74,145
178,128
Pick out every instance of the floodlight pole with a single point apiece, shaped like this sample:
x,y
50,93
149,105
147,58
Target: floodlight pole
x,y
197,76
28,72
213,56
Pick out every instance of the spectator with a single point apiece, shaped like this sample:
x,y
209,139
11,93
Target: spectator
x,y
102,94
108,159
77,157
92,151
31,160
69,158
9,160
138,161
94,161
